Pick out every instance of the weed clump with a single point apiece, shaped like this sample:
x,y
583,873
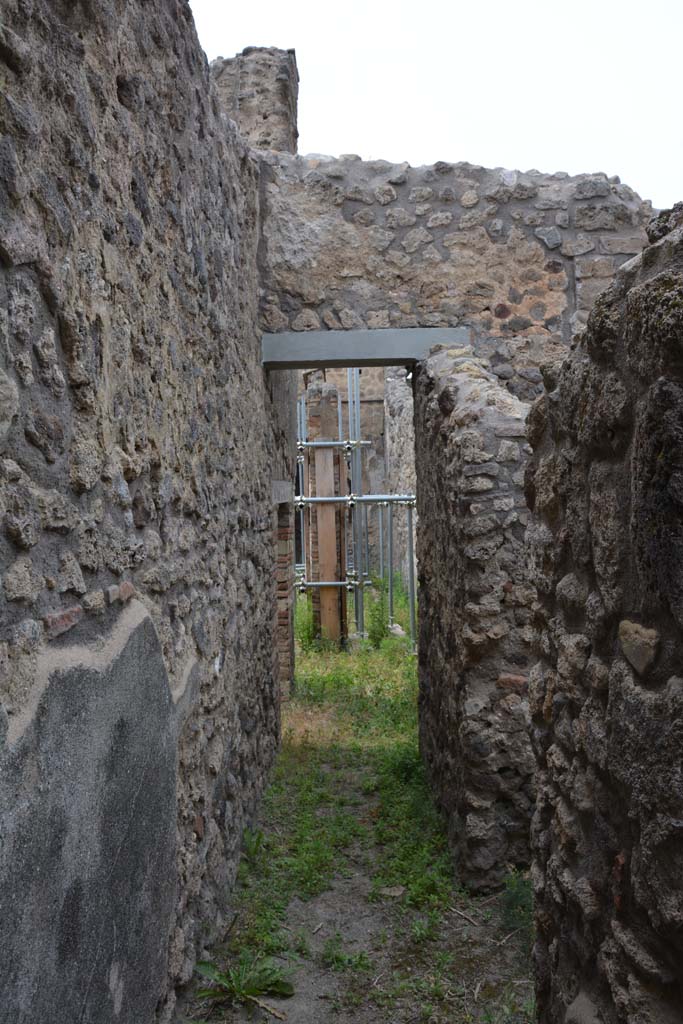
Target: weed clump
x,y
377,616
249,979
518,905
304,624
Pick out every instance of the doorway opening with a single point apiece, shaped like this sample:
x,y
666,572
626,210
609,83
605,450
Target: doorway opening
x,y
355,544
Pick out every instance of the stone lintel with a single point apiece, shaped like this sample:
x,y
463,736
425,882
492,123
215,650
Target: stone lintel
x,y
308,350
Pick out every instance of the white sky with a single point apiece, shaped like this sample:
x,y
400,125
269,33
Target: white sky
x,y
582,85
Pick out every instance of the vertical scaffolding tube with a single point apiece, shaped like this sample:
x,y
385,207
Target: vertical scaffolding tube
x,y
380,521
390,556
358,512
301,431
411,576
352,512
366,528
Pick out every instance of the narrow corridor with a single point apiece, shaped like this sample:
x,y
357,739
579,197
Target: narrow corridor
x,y
346,894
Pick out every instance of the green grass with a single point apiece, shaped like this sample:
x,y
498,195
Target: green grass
x,y
335,957
370,700
350,786
374,693
518,906
376,613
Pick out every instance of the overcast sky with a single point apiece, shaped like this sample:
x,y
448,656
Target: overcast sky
x,y
584,85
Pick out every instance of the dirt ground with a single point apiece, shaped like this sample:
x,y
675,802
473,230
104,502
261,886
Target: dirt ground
x,y
355,951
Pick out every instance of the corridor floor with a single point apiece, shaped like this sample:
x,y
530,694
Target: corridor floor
x,y
346,892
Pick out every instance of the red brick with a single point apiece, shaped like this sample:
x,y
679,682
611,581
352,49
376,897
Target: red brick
x,y
506,681
57,623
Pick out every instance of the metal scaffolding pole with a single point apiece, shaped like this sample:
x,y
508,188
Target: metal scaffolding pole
x,y
380,517
301,431
411,575
360,499
306,584
349,444
352,468
359,568
366,527
390,555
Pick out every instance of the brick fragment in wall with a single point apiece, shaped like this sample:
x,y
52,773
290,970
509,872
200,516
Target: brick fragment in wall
x,y
475,613
606,694
138,441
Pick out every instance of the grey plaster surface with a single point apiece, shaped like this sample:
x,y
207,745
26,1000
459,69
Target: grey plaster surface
x,y
88,835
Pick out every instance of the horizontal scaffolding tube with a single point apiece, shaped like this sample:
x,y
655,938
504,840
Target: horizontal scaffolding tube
x,y
334,444
365,499
331,583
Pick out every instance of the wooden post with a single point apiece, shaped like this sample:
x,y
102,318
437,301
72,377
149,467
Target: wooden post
x,y
328,551
328,563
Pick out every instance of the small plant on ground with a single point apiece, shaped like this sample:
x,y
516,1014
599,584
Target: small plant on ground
x,y
304,623
334,957
249,979
518,905
425,929
377,616
253,844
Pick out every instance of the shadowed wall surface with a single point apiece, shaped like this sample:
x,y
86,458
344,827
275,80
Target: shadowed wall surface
x,y
139,443
606,694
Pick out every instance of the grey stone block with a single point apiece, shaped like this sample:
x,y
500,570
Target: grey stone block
x,y
87,819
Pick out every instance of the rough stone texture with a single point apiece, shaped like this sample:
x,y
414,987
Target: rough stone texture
x,y
399,435
259,89
606,695
101,737
520,259
474,612
139,441
355,244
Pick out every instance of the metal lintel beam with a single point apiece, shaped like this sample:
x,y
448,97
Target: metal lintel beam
x,y
400,346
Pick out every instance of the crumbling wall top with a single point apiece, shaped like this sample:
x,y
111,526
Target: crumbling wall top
x,y
259,89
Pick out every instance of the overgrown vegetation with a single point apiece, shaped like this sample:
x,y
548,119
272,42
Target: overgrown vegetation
x,y
518,906
376,613
304,623
349,788
250,978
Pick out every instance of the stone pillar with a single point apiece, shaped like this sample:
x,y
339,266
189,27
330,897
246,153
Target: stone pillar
x,y
607,695
259,90
474,612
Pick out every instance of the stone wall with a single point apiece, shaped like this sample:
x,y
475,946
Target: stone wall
x,y
474,612
139,441
606,695
518,256
259,89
